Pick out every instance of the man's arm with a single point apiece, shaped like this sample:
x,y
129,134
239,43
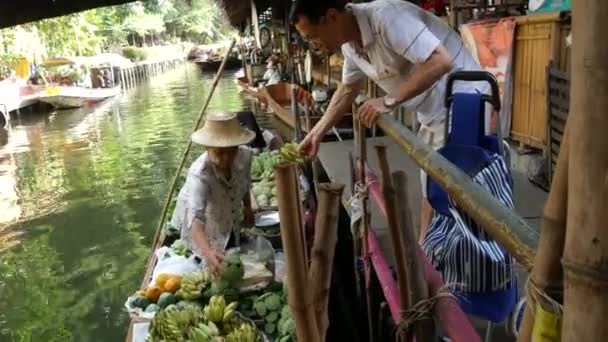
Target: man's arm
x,y
425,75
340,103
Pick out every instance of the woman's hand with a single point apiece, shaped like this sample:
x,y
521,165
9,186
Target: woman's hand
x,y
214,259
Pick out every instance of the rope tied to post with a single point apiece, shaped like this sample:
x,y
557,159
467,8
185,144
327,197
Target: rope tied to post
x,y
423,310
360,192
535,294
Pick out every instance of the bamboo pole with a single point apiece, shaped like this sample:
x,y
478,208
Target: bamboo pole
x,y
299,298
388,192
586,248
323,248
416,283
502,223
364,223
547,272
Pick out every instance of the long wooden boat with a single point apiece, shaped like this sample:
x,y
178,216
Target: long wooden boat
x,y
278,98
213,64
75,97
243,83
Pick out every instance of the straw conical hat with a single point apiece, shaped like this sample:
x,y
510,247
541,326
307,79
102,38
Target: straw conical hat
x,y
222,130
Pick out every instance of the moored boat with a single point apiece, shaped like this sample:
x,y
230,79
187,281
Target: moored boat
x,y
243,83
75,97
278,98
213,64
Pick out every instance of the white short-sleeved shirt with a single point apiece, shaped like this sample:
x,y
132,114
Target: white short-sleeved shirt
x,y
213,200
397,36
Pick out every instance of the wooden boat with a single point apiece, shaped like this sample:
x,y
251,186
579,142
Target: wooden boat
x,y
243,83
74,97
278,98
212,64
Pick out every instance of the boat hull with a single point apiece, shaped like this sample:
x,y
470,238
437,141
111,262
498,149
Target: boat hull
x,y
213,65
75,97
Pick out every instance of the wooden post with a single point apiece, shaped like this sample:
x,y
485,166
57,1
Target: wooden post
x,y
393,225
586,248
547,272
416,284
322,259
299,294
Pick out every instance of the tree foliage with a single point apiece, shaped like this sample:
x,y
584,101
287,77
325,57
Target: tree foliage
x,y
144,23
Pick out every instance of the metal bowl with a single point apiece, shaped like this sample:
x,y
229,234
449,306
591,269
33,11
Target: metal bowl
x,y
267,219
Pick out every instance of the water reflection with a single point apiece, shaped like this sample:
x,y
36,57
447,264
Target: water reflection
x,y
89,185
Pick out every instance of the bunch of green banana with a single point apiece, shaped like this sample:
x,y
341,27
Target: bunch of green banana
x,y
164,328
218,312
193,285
245,333
170,324
203,332
289,153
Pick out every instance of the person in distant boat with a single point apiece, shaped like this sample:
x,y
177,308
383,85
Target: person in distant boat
x,y
208,206
272,75
107,79
97,80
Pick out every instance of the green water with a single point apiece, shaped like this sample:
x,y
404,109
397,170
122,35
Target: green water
x,y
99,176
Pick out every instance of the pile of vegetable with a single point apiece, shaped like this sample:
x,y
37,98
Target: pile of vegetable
x,y
229,283
263,164
215,322
272,314
265,193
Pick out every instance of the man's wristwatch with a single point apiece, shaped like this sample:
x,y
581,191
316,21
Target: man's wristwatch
x,y
390,102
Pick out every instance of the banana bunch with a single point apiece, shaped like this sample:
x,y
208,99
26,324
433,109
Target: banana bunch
x,y
193,284
204,332
169,325
289,153
245,333
218,312
164,328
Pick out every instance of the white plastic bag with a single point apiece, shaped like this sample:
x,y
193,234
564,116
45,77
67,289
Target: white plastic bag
x,y
171,263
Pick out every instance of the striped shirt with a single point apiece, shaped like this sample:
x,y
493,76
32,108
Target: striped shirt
x,y
398,36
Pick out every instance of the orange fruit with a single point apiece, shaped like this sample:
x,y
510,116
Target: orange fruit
x,y
162,278
153,292
173,284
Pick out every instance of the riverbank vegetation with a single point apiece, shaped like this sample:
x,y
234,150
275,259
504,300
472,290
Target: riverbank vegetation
x,y
110,29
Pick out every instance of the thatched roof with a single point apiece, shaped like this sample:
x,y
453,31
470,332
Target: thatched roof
x,y
15,12
237,11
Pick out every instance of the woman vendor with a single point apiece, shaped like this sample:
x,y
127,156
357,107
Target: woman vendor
x,y
208,206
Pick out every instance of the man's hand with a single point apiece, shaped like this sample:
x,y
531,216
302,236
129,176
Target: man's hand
x,y
214,260
371,110
310,145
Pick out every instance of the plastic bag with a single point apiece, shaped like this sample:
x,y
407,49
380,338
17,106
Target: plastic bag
x,y
280,271
171,263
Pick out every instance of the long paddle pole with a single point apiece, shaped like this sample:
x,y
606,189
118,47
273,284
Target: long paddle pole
x,y
163,217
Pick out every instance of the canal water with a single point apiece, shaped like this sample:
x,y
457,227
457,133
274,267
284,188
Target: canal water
x,y
89,185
